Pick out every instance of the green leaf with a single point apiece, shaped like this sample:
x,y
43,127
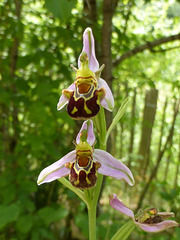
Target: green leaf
x,y
124,232
9,194
24,223
118,116
49,214
61,8
29,186
178,233
8,214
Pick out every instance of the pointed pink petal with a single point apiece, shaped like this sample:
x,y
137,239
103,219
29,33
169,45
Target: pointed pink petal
x,y
118,205
89,48
91,137
57,169
63,99
157,227
110,166
108,101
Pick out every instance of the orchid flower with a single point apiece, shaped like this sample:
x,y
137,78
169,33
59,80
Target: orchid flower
x,y
150,220
89,91
83,163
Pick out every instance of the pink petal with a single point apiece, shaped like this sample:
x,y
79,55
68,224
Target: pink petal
x,y
157,227
89,48
118,205
57,169
91,137
63,99
110,166
108,101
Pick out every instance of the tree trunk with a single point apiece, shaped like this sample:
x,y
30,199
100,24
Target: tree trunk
x,y
90,10
162,127
147,125
168,161
109,7
170,152
159,158
13,62
177,168
132,132
121,147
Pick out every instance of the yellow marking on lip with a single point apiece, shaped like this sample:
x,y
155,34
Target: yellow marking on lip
x,y
87,180
74,110
77,181
88,111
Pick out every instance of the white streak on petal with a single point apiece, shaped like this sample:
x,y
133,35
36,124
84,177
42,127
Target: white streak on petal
x,y
118,205
108,101
57,169
63,99
89,48
157,227
110,166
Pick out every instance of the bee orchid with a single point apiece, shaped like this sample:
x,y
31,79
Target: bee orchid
x,y
83,163
89,91
149,220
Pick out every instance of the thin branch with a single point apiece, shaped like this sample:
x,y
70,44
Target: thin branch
x,y
127,17
164,50
147,45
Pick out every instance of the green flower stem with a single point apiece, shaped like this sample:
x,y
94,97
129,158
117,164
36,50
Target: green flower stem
x,y
92,222
88,196
80,193
101,120
100,123
92,207
124,232
102,132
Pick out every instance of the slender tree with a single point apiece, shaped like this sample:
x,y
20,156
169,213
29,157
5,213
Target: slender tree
x,y
162,126
177,169
159,158
132,130
169,155
147,126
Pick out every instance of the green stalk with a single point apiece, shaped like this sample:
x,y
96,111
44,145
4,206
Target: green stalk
x,y
92,222
100,123
102,130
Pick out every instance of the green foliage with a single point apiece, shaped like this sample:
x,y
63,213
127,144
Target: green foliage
x,y
8,214
61,8
49,215
38,42
81,221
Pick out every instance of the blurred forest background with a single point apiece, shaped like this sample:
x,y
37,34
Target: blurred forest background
x,y
139,42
